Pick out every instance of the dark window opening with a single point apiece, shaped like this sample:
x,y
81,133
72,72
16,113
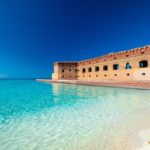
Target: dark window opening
x,y
127,55
143,74
69,69
128,66
142,52
128,74
62,70
90,69
115,74
115,67
62,76
83,70
143,64
76,70
96,75
96,69
105,68
105,75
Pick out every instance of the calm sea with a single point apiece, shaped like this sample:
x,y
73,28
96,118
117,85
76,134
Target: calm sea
x,y
40,116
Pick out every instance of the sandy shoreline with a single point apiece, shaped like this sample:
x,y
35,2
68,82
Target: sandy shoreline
x,y
144,137
131,84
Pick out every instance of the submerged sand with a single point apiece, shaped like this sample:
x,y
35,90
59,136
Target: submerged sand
x,y
135,131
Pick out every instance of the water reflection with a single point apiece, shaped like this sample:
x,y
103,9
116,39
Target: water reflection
x,y
121,97
73,117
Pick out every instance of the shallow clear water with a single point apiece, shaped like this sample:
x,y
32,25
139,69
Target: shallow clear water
x,y
39,116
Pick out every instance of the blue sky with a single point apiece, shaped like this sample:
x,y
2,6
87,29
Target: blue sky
x,y
36,33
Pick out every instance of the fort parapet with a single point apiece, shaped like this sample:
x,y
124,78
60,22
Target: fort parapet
x,y
130,65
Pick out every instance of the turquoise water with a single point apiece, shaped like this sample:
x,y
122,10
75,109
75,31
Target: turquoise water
x,y
40,116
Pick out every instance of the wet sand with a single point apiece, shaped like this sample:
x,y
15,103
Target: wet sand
x,y
129,84
144,136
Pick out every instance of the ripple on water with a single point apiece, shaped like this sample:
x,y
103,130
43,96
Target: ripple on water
x,y
64,117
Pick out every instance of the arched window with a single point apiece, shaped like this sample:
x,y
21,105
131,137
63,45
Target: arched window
x,y
128,66
83,70
105,68
115,67
143,64
90,69
97,69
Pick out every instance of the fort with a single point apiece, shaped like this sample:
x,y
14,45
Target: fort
x,y
127,69
124,66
